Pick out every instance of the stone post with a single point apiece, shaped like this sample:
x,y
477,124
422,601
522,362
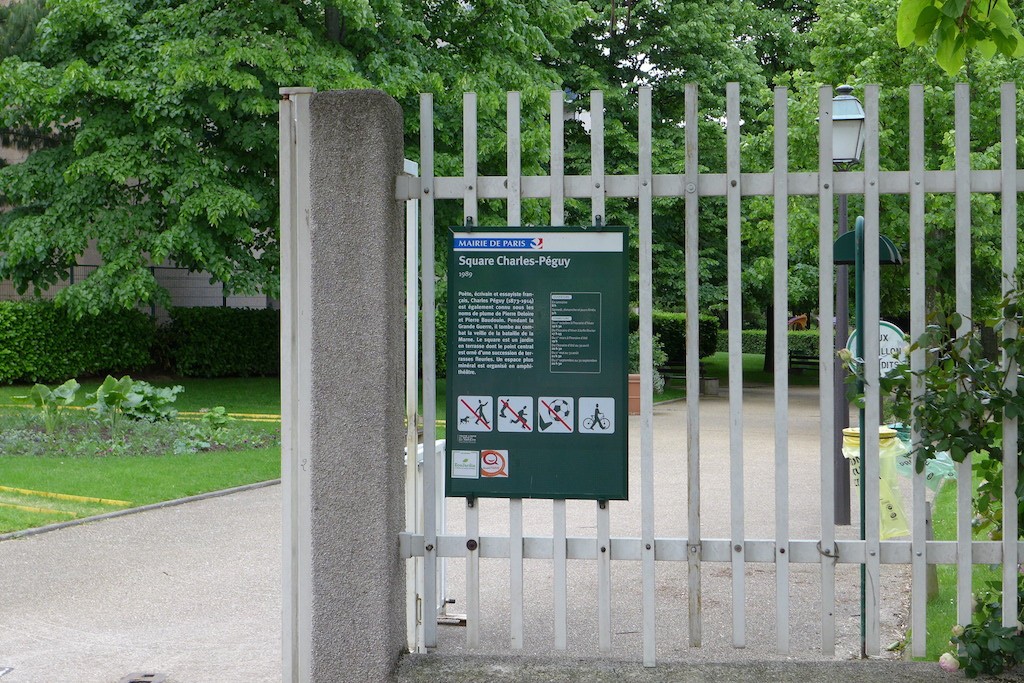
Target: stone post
x,y
342,303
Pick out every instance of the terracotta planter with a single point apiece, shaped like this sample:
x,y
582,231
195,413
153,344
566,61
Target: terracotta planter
x,y
634,394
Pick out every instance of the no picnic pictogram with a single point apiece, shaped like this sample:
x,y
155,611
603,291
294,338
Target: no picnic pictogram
x,y
555,414
476,413
515,414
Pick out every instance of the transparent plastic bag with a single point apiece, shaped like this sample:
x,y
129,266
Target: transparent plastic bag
x,y
936,470
892,518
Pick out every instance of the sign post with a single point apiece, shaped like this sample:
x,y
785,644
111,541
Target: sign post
x,y
537,336
849,249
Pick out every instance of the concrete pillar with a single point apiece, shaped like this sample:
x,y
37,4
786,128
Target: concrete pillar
x,y
342,299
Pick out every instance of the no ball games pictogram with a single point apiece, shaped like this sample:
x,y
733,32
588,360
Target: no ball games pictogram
x,y
515,414
555,414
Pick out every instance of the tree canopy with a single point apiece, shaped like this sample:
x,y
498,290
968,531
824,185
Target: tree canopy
x,y
155,123
162,118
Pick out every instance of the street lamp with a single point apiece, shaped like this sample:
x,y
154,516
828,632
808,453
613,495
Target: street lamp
x,y
847,127
847,146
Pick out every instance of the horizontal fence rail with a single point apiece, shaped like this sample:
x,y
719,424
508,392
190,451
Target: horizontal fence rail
x,y
801,184
434,540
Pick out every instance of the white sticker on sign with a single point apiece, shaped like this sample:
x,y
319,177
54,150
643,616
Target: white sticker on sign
x,y
476,413
465,464
597,415
515,414
555,415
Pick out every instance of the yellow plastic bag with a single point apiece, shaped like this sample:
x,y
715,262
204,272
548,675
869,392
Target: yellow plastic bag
x,y
893,520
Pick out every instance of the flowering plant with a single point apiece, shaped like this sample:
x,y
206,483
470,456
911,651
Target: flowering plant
x,y
985,646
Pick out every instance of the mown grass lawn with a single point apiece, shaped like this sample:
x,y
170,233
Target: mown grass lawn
x,y
56,476
941,609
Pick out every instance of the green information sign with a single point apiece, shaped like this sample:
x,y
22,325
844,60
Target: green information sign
x,y
537,333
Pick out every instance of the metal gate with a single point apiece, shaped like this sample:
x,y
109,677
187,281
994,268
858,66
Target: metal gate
x,y
428,543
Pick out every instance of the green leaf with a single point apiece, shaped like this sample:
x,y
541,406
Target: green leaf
x,y
909,20
66,392
40,395
954,8
926,25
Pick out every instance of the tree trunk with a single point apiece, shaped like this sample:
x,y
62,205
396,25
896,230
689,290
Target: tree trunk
x,y
332,17
769,341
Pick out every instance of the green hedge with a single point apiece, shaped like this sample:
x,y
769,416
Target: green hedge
x,y
40,342
802,342
223,342
671,329
441,340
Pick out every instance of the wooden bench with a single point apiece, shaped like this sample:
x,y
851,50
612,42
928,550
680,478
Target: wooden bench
x,y
803,361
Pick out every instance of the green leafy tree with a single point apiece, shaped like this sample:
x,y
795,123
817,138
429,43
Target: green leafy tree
x,y
164,121
664,45
957,28
852,42
17,34
18,26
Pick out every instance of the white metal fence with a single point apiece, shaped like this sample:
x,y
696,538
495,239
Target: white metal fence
x,y
428,543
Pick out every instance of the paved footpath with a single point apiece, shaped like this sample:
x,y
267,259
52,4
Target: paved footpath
x,y
193,591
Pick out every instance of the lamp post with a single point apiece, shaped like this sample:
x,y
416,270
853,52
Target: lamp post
x,y
847,146
849,250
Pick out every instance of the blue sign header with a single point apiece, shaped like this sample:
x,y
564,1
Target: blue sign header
x,y
529,243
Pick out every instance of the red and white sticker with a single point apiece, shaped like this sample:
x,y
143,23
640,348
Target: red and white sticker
x,y
494,463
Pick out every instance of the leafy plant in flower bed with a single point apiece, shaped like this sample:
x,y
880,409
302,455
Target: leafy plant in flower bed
x,y
82,436
101,429
51,402
966,396
985,646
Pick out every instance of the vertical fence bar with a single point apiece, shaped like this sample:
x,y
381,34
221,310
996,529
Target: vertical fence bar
x,y
692,212
919,534
413,497
646,173
559,573
286,183
604,563
872,416
429,363
962,242
781,364
513,153
296,383
515,514
469,210
733,220
515,510
1008,185
826,371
